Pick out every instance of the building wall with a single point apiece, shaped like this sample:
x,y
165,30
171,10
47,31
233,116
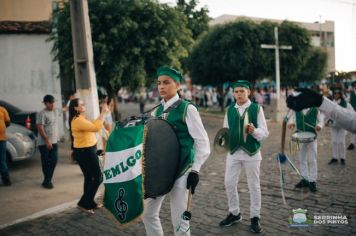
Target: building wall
x,y
28,71
25,10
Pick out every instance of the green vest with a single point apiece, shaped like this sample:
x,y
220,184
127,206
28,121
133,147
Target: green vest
x,y
236,129
307,122
353,100
176,117
343,103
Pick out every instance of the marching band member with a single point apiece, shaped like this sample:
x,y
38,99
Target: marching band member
x,y
337,132
307,120
309,98
195,149
352,101
247,128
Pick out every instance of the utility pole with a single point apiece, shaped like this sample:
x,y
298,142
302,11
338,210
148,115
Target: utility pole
x,y
276,48
85,79
321,41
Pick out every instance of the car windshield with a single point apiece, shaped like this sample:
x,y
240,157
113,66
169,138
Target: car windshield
x,y
10,108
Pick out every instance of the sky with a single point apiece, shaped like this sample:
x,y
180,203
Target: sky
x,y
342,12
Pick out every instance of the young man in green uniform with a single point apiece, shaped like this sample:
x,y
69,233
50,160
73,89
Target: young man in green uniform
x,y
337,132
307,120
247,128
195,149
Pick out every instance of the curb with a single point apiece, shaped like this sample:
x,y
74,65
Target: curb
x,y
48,211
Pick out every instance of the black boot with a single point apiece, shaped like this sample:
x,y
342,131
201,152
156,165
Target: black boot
x,y
230,219
351,147
255,225
332,161
302,184
312,187
6,180
47,184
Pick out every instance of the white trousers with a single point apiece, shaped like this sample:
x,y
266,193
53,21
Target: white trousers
x,y
178,202
308,160
232,173
338,142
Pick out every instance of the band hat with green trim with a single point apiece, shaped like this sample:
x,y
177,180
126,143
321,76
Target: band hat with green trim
x,y
172,73
241,83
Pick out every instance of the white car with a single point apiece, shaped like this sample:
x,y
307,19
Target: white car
x,y
21,143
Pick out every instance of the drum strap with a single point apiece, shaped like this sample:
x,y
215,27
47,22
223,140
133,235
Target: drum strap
x,y
173,106
148,111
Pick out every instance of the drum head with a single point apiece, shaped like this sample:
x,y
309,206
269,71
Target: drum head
x,y
161,158
303,137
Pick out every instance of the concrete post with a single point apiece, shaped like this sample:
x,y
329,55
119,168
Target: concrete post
x,y
83,57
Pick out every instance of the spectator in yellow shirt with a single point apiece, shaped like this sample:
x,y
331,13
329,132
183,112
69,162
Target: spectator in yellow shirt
x,y
4,122
84,150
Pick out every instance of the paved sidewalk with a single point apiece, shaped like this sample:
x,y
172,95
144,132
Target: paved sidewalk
x,y
336,194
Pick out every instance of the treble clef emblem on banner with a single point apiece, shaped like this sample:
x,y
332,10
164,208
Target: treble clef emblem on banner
x,y
120,205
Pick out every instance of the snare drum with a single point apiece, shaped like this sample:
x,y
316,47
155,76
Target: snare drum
x,y
303,137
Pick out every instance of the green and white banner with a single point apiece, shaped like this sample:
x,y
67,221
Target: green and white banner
x,y
123,173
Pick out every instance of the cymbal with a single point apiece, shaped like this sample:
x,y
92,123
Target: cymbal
x,y
221,141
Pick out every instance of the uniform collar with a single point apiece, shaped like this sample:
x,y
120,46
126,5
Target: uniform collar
x,y
170,101
338,101
245,105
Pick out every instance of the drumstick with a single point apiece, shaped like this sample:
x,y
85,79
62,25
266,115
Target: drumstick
x,y
186,216
189,199
284,128
309,125
246,123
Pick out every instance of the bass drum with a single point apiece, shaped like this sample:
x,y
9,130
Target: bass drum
x,y
161,158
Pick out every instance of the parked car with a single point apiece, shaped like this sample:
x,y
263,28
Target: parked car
x,y
19,116
21,143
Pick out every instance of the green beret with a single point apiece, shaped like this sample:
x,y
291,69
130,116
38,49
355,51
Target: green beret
x,y
241,83
174,74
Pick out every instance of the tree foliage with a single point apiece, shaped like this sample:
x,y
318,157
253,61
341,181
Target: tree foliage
x,y
225,54
131,39
314,67
198,19
232,51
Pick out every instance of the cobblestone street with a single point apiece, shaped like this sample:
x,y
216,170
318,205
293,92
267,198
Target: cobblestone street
x,y
336,194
